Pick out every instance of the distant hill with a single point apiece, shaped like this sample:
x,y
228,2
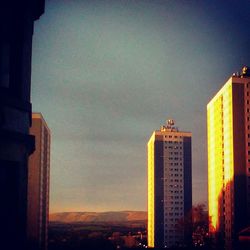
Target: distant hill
x,y
94,217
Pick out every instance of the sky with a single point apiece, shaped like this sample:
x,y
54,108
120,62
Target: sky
x,y
106,74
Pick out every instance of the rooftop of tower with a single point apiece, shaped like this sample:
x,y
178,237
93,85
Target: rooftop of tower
x,y
245,72
170,126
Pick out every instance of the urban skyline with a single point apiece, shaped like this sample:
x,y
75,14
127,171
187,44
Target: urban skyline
x,y
111,79
17,144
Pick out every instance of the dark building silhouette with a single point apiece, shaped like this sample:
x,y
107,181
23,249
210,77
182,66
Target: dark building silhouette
x,y
169,187
38,184
16,29
228,132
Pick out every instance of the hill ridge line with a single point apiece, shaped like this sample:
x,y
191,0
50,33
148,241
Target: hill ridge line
x,y
118,216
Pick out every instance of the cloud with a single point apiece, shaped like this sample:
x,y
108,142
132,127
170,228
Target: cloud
x,y
106,74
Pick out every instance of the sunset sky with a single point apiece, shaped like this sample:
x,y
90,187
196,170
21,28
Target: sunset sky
x,y
106,74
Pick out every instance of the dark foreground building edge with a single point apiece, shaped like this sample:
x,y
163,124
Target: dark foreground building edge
x,y
16,29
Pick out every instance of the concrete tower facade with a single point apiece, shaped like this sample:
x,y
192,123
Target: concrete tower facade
x,y
38,184
228,134
169,186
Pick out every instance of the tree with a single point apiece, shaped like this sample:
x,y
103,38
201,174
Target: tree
x,y
200,224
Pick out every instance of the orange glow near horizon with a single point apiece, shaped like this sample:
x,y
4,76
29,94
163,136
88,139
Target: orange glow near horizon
x,y
220,151
151,197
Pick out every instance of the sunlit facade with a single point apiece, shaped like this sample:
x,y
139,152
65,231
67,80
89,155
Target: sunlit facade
x,y
169,186
151,191
228,138
38,185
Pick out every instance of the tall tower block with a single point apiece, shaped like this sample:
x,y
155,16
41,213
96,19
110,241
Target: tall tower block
x,y
169,186
38,185
228,136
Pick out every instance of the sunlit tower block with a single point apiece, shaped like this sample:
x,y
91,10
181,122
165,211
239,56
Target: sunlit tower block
x,y
169,187
38,185
228,137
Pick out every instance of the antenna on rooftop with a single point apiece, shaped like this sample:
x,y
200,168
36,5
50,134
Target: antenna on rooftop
x,y
170,123
170,126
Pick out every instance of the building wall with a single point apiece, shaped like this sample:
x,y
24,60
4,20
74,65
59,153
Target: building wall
x,y
169,173
220,153
187,164
227,158
151,188
38,184
159,193
240,195
247,142
16,30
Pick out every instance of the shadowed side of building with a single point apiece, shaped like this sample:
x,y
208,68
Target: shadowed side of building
x,y
16,30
